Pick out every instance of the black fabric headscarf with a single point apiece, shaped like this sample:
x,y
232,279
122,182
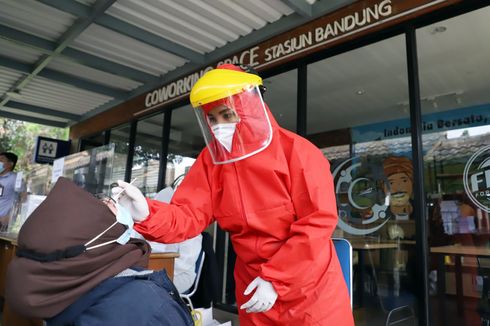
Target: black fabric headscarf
x,y
67,219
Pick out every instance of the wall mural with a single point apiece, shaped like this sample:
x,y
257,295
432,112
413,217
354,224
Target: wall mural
x,y
370,193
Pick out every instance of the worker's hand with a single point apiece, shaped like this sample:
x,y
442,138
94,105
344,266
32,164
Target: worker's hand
x,y
264,297
132,199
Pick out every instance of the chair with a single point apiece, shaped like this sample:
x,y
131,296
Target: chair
x,y
209,289
399,308
190,292
344,253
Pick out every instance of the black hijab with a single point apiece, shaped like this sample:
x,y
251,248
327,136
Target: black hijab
x,y
52,269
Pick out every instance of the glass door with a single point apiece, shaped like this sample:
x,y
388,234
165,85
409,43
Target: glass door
x,y
358,115
454,81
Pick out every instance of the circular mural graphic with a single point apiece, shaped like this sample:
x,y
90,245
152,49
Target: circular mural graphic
x,y
476,178
362,197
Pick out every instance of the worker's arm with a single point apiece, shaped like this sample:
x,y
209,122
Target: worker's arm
x,y
187,215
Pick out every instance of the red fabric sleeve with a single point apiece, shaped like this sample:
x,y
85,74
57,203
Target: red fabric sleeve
x,y
187,215
305,256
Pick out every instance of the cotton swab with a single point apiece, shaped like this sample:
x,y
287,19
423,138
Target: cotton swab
x,y
119,194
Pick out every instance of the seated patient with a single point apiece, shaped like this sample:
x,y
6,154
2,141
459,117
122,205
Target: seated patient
x,y
76,265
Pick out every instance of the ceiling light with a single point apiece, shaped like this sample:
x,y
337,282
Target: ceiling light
x,y
360,92
14,94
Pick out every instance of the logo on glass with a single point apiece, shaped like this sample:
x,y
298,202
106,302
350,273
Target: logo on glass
x,y
476,178
362,197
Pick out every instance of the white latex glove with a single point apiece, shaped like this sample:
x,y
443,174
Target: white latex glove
x,y
132,199
264,297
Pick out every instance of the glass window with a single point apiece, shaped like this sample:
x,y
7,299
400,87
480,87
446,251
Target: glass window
x,y
120,138
454,78
358,115
93,141
186,142
146,159
281,98
90,169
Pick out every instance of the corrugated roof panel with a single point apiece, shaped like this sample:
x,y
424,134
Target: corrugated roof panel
x,y
54,103
61,91
199,25
278,5
172,21
194,26
78,70
209,13
18,52
113,46
58,96
9,77
86,2
35,18
34,115
239,11
264,9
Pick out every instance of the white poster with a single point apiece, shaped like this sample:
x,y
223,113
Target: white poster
x,y
58,166
18,181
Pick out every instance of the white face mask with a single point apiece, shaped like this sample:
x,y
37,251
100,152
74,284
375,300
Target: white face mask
x,y
224,134
123,217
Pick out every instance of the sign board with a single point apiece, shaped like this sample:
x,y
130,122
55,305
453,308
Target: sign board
x,y
49,149
356,19
467,117
352,21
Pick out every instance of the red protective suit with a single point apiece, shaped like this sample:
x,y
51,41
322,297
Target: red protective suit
x,y
279,207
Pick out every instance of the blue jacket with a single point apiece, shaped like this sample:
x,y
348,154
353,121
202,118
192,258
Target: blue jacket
x,y
148,299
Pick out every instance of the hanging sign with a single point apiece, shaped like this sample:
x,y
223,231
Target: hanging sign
x,y
49,149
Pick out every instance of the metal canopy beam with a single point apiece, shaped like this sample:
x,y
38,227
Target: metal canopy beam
x,y
301,7
47,47
71,33
60,77
22,38
41,110
21,117
127,29
320,8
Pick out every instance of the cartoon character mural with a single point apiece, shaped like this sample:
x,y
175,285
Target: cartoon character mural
x,y
398,171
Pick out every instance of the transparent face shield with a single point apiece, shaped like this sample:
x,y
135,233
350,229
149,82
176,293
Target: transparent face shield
x,y
235,127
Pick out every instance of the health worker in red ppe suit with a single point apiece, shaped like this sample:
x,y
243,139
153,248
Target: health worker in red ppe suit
x,y
272,191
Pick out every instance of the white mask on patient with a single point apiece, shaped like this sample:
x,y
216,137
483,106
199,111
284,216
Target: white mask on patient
x,y
123,217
